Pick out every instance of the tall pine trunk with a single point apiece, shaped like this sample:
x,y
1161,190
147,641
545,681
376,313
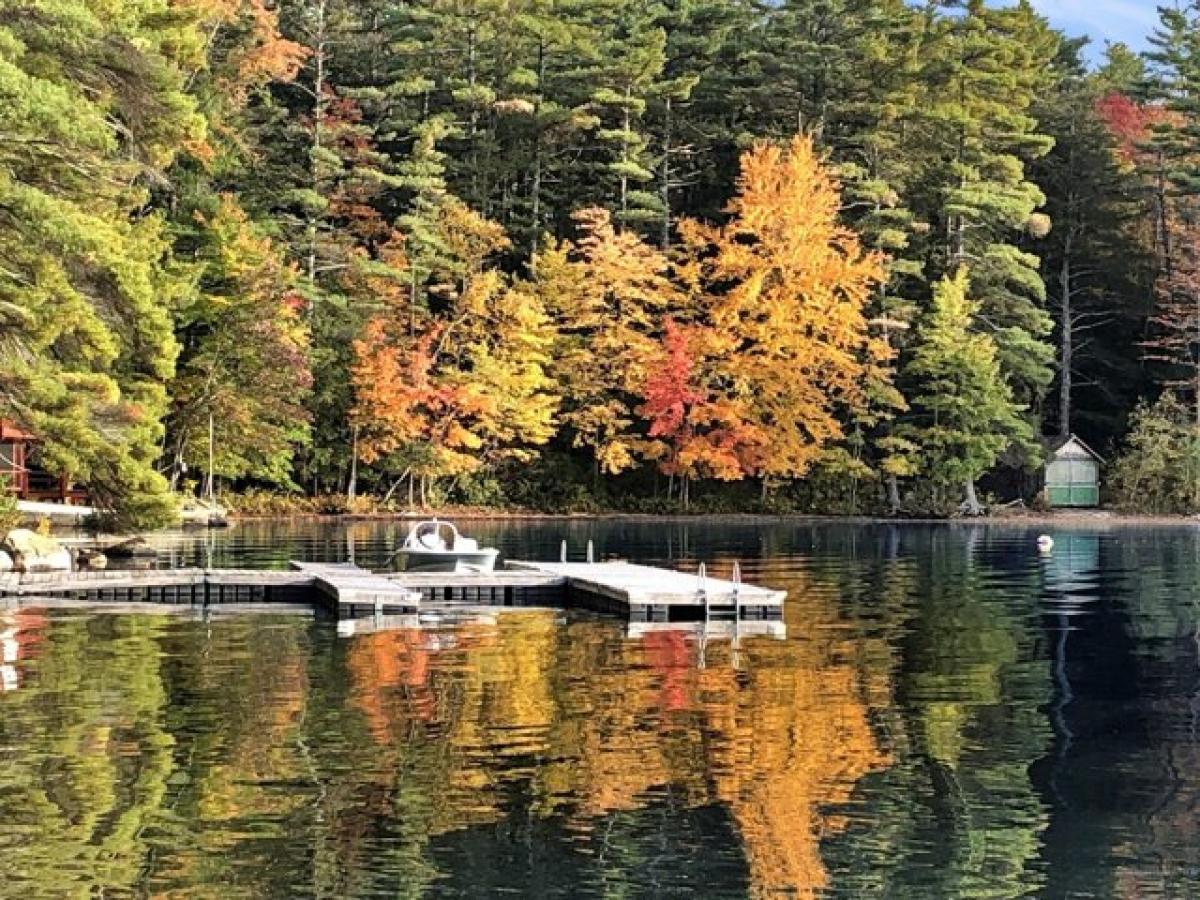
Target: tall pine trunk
x,y
893,493
664,187
536,190
320,59
1067,340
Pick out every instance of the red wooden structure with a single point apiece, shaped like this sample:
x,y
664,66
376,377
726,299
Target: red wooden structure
x,y
19,469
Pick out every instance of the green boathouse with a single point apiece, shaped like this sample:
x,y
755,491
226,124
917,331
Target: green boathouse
x,y
1072,474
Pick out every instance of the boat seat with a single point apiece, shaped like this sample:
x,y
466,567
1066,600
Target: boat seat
x,y
432,541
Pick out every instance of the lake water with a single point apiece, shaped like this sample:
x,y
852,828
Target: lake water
x,y
952,715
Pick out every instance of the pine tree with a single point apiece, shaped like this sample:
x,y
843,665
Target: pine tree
x,y
1123,71
628,74
95,111
1174,340
963,414
983,71
1097,267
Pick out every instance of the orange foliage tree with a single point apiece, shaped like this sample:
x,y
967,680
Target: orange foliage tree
x,y
783,287
463,380
743,355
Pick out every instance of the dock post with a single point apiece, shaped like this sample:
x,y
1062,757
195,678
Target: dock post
x,y
702,590
737,593
735,643
562,551
591,552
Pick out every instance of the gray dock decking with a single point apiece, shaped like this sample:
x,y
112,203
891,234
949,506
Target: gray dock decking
x,y
645,593
637,593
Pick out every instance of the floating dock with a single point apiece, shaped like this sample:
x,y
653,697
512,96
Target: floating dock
x,y
648,594
355,592
638,594
345,590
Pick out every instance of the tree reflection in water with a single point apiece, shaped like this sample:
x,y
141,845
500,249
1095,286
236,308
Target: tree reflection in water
x,y
949,716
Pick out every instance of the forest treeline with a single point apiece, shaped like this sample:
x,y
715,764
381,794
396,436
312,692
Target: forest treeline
x,y
845,255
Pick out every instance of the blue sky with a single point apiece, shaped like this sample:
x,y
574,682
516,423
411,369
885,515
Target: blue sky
x,y
1113,20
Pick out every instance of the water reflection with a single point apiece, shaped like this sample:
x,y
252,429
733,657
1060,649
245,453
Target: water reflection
x,y
951,715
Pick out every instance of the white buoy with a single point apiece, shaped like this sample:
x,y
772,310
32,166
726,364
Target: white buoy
x,y
1045,543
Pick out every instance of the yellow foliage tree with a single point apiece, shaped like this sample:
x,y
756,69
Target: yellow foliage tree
x,y
464,380
607,294
783,287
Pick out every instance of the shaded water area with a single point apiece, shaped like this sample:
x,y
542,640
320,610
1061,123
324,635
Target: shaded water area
x,y
951,715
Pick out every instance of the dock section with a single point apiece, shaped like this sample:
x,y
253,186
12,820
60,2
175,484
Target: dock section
x,y
346,590
502,587
352,591
636,593
648,594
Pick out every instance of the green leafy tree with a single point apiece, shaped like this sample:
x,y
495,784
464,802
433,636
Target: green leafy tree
x,y
244,360
963,413
1158,470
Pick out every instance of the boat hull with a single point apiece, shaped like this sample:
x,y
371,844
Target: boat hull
x,y
417,560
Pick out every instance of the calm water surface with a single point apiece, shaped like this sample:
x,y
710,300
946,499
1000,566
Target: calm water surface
x,y
951,716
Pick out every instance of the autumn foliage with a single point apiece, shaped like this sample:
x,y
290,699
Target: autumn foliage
x,y
739,356
444,388
783,289
1131,123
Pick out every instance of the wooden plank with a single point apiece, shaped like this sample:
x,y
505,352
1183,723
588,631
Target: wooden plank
x,y
251,577
33,583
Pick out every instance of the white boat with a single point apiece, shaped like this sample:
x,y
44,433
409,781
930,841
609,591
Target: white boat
x,y
202,513
435,546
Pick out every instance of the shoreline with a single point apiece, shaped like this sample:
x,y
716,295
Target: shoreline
x,y
1062,518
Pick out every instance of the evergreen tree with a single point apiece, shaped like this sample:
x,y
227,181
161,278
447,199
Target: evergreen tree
x,y
963,414
628,73
95,110
1095,264
984,68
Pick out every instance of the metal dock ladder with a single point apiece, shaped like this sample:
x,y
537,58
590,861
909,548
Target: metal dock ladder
x,y
713,609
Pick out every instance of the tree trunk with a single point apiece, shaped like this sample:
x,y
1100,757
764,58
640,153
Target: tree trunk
x,y
971,505
352,485
319,60
665,184
1067,342
536,204
473,129
628,123
893,494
